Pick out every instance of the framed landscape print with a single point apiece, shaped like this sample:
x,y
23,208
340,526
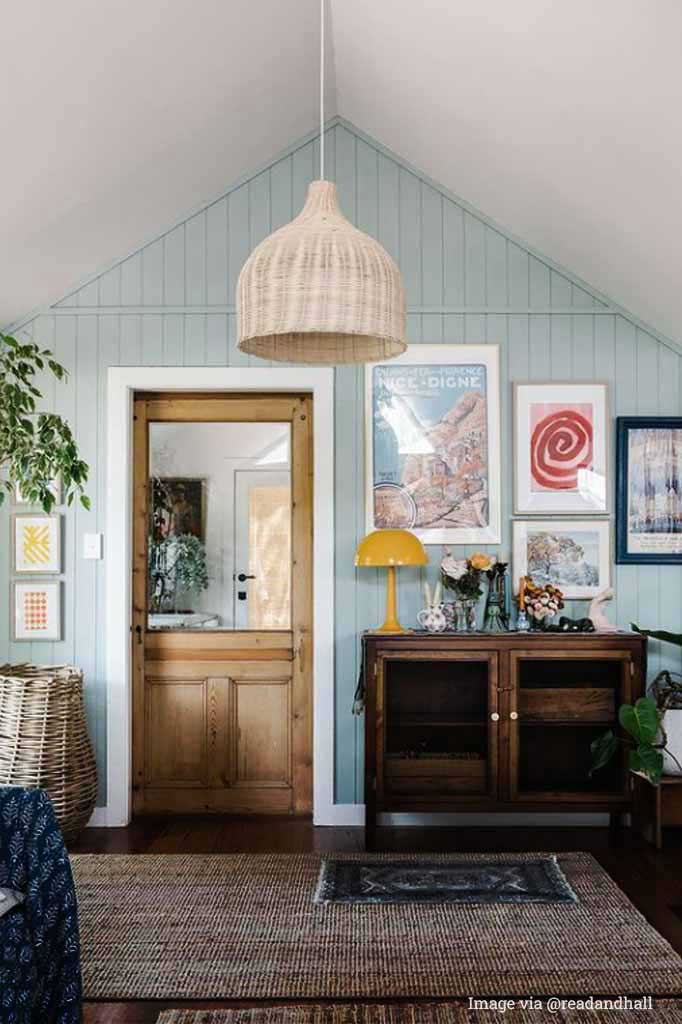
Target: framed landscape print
x,y
649,489
561,448
36,611
432,434
36,543
572,554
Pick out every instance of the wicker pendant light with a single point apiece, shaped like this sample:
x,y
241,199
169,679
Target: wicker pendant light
x,y
318,290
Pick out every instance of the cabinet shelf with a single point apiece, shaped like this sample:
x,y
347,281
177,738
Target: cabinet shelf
x,y
461,722
563,722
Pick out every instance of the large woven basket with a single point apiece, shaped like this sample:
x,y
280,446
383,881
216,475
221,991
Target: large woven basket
x,y
44,741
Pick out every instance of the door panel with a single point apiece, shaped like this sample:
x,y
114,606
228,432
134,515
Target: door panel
x,y
262,733
176,732
438,726
222,713
558,705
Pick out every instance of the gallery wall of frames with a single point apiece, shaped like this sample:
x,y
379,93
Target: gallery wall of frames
x,y
468,284
433,463
36,546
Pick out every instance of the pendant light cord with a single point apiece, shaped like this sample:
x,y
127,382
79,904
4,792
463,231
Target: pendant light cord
x,y
322,13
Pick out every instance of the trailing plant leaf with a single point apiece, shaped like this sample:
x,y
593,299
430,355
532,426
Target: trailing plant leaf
x,y
659,634
648,761
641,721
603,749
36,448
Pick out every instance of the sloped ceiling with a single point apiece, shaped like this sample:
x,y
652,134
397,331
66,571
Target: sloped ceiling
x,y
558,120
119,116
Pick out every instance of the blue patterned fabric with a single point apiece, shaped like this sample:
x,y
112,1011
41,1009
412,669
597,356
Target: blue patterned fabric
x,y
40,977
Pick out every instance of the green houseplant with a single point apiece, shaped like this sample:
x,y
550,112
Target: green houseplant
x,y
36,448
177,566
643,723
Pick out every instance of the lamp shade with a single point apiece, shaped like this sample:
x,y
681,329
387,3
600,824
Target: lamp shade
x,y
320,291
390,547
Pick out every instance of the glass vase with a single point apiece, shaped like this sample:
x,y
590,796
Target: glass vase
x,y
468,615
450,613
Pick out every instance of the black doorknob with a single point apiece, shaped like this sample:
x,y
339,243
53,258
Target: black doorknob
x,y
243,577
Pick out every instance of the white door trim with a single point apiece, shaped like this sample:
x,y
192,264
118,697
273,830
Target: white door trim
x,y
122,382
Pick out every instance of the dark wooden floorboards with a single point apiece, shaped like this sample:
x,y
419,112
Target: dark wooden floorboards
x,y
652,880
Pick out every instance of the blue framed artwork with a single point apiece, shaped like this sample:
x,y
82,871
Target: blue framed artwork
x,y
649,490
432,431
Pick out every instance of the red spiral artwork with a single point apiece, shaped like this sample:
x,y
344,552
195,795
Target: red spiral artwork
x,y
561,444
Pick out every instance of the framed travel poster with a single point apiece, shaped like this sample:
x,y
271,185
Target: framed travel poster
x,y
571,554
36,611
649,489
432,434
561,448
36,543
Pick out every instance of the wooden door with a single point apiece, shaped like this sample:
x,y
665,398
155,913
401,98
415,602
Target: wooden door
x,y
559,701
222,715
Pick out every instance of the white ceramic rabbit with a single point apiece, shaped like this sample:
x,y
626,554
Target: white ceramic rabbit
x,y
432,618
597,612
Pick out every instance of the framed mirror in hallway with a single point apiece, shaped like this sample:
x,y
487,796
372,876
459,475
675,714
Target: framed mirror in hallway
x,y
222,603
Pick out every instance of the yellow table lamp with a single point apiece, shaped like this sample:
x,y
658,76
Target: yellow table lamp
x,y
390,548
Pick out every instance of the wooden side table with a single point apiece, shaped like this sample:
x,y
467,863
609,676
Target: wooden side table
x,y
655,807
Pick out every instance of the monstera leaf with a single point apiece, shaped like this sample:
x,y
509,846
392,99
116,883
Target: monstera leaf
x,y
640,720
659,634
603,749
648,761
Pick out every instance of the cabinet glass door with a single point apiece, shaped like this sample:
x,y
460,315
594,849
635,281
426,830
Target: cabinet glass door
x,y
559,706
440,724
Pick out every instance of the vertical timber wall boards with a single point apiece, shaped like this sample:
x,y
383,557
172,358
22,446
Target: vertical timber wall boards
x,y
172,303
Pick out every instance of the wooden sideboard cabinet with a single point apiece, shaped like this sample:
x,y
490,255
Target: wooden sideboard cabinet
x,y
481,722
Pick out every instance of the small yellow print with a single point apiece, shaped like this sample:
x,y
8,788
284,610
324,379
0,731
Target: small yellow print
x,y
36,545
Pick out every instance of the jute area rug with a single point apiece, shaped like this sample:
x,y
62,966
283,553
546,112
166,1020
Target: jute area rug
x,y
246,927
664,1012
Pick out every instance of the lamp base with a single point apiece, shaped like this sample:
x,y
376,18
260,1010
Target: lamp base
x,y
391,624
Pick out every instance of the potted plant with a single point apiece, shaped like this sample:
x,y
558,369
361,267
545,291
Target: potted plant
x,y
643,737
36,448
667,691
177,569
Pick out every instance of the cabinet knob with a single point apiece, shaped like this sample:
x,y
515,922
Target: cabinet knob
x,y
514,715
495,717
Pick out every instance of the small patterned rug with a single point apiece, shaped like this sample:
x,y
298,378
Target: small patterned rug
x,y
662,1012
246,927
427,881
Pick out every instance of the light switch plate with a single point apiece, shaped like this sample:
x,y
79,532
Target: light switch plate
x,y
92,545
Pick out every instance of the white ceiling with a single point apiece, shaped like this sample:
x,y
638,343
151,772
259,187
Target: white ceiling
x,y
560,120
119,116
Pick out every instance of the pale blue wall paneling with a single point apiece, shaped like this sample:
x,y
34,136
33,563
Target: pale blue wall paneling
x,y
172,303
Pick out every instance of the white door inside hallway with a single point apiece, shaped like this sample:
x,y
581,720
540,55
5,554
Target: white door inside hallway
x,y
262,545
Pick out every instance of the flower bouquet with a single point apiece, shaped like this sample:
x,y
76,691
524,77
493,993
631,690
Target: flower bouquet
x,y
463,577
542,603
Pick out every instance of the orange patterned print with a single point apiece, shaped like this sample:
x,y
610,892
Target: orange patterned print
x,y
35,610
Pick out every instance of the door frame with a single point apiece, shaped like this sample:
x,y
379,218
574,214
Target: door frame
x,y
122,383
